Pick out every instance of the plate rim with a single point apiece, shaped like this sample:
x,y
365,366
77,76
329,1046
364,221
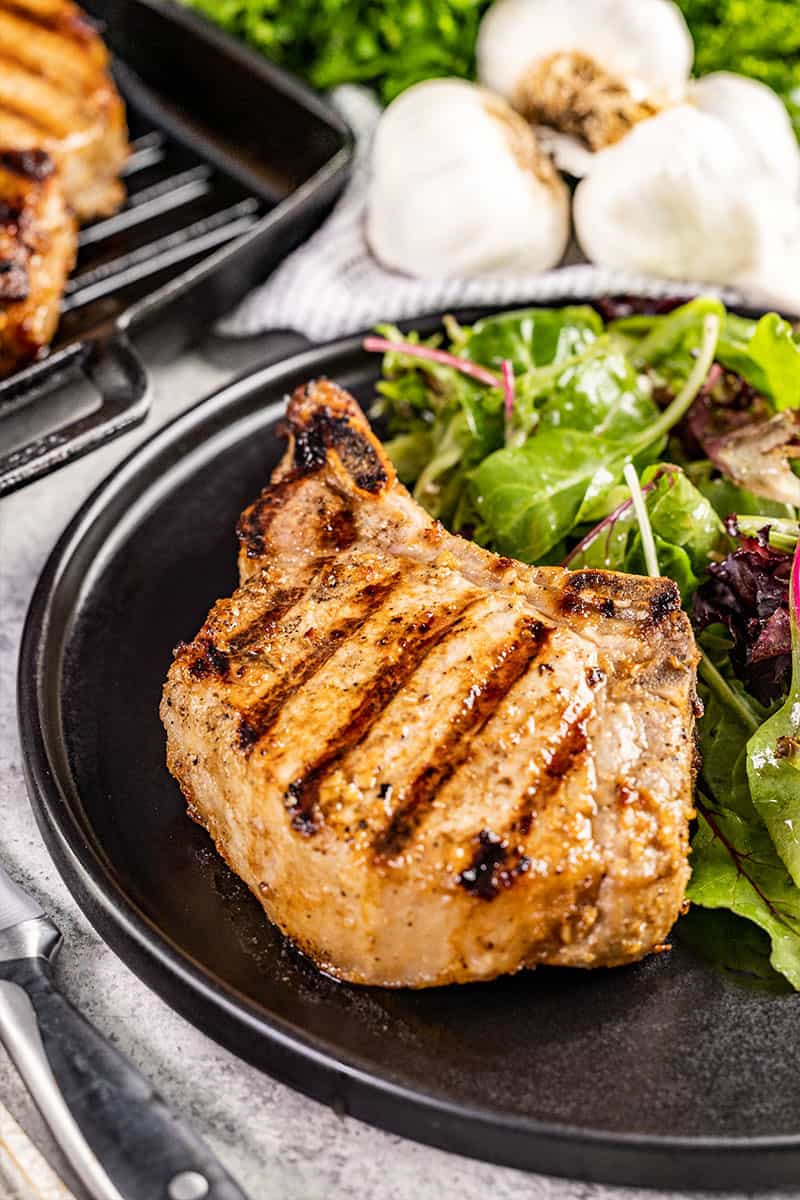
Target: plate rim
x,y
311,1065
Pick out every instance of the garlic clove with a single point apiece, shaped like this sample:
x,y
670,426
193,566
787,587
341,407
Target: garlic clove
x,y
568,153
590,68
759,120
679,197
460,187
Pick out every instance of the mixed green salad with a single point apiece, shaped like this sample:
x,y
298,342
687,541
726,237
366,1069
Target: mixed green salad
x,y
653,442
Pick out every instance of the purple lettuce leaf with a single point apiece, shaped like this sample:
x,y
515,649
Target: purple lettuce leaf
x,y
748,593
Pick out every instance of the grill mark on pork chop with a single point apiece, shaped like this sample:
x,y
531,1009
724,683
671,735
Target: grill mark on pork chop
x,y
283,599
256,722
37,100
513,661
23,32
413,645
560,760
14,282
211,661
38,128
326,431
664,602
66,19
30,164
494,867
338,529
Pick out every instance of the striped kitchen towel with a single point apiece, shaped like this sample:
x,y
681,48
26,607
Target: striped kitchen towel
x,y
332,285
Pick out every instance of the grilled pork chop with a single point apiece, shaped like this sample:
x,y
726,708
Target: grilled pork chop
x,y
430,764
38,240
56,94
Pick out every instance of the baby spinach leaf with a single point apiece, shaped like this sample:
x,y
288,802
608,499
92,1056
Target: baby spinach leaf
x,y
530,497
735,866
687,531
766,354
773,756
601,394
669,342
531,338
681,516
733,945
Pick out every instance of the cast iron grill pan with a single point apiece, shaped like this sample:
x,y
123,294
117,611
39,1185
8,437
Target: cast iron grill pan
x,y
233,163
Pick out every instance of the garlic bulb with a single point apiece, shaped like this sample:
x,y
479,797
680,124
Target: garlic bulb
x,y
460,187
758,118
680,197
775,280
589,68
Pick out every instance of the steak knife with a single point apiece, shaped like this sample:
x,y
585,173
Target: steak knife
x,y
118,1135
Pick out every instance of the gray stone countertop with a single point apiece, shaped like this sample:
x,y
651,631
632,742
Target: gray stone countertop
x,y
277,1143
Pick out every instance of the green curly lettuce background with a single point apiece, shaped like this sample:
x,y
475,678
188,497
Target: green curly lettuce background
x,y
391,44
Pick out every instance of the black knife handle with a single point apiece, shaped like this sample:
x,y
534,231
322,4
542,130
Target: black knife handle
x,y
117,1133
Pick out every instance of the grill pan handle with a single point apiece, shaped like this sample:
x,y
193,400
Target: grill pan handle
x,y
115,370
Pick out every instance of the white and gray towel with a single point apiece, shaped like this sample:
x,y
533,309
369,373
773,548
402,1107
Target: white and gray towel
x,y
332,285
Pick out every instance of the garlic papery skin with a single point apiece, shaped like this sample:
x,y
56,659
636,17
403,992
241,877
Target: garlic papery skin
x,y
460,187
589,68
680,197
759,120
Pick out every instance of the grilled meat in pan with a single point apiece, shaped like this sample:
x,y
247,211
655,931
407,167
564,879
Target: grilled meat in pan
x,y
38,241
57,95
431,764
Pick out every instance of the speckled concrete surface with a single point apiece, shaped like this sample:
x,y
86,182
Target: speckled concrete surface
x,y
279,1145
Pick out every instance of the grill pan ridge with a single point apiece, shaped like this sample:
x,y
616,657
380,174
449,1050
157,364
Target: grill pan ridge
x,y
233,163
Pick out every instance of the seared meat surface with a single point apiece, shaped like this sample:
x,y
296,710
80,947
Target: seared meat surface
x,y
38,240
430,764
57,95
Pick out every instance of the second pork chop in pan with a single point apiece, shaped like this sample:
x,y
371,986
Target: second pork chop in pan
x,y
431,764
38,243
56,94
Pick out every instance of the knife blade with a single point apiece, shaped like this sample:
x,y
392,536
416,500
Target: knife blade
x,y
116,1132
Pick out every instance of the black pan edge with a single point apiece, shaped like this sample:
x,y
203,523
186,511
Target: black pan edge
x,y
276,1047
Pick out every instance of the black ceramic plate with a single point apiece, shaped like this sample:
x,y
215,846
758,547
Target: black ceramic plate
x,y
666,1073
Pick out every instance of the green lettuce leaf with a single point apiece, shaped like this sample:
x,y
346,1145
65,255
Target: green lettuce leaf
x,y
602,394
766,354
530,497
667,344
687,532
530,338
736,867
733,945
410,453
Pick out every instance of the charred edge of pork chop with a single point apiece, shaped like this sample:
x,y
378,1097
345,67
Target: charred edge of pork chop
x,y
327,430
332,553
56,93
38,244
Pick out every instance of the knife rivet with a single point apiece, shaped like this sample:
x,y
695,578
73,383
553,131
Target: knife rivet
x,y
188,1186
